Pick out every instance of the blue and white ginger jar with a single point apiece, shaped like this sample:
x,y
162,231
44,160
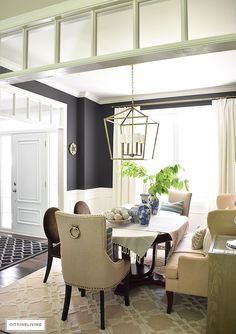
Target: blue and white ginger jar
x,y
144,210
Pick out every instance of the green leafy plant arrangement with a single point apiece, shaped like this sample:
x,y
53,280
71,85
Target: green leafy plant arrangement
x,y
159,183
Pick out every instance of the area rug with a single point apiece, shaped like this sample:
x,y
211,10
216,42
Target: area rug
x,y
15,250
30,298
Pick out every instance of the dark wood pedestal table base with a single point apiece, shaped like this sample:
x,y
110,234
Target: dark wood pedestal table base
x,y
140,273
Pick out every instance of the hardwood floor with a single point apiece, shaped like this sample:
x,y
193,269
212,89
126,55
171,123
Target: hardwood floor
x,y
24,268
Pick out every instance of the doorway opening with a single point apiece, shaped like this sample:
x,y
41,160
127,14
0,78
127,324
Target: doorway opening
x,y
32,161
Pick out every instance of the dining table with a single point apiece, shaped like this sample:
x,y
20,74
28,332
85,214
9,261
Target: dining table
x,y
165,227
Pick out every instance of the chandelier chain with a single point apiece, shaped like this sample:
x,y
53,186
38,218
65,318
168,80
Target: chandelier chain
x,y
132,84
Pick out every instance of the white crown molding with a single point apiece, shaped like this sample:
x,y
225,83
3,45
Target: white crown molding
x,y
89,96
207,90
64,88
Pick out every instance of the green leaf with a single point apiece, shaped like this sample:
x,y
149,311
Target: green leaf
x,y
159,183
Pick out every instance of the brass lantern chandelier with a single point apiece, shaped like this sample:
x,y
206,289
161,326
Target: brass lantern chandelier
x,y
135,134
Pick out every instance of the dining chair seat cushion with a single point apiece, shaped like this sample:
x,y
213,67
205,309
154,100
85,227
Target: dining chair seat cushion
x,y
185,245
176,207
172,268
198,237
184,248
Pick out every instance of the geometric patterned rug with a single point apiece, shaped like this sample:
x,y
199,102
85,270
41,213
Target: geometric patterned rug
x,y
15,250
30,298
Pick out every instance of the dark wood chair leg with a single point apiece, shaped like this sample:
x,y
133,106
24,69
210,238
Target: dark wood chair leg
x,y
82,292
102,311
126,290
66,302
170,298
49,266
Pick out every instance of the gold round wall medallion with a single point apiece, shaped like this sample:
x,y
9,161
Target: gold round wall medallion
x,y
73,148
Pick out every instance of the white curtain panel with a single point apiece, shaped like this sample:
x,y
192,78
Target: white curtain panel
x,y
226,114
123,186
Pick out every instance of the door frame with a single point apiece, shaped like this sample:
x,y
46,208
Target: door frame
x,y
62,157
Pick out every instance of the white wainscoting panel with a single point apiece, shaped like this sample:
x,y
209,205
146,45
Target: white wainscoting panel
x,y
98,199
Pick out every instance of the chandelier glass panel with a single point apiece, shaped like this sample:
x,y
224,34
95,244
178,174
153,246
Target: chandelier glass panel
x,y
135,134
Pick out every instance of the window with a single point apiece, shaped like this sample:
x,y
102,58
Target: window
x,y
160,22
187,136
76,39
41,46
211,18
114,30
11,51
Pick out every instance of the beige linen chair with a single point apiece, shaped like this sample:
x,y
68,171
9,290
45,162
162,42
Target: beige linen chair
x,y
187,269
173,197
51,232
88,267
226,201
177,196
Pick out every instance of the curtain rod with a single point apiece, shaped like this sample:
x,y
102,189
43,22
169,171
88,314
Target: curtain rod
x,y
173,101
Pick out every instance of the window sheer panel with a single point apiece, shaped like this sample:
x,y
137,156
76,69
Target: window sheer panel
x,y
163,20
197,141
41,46
11,55
226,117
76,39
211,18
114,31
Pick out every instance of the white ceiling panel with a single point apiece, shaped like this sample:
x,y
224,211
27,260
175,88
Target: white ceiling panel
x,y
171,75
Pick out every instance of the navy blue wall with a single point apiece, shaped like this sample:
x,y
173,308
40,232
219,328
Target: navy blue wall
x,y
96,167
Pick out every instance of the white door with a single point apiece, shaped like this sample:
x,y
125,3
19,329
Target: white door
x,y
29,183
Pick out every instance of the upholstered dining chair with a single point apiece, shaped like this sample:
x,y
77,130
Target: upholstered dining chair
x,y
226,201
81,207
51,232
178,196
80,266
